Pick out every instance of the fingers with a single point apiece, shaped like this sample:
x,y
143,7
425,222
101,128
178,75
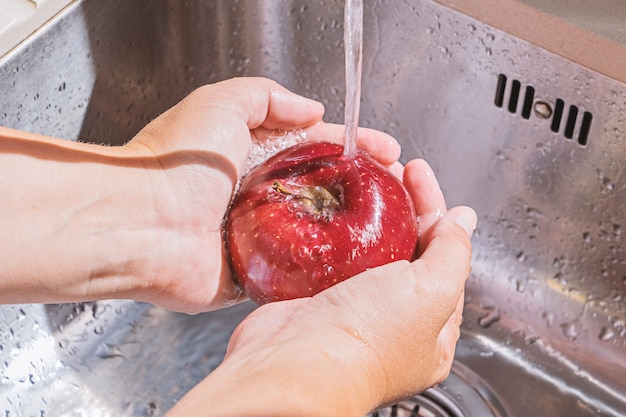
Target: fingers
x,y
216,119
430,286
397,169
408,315
427,196
263,102
444,265
424,188
383,147
219,117
264,106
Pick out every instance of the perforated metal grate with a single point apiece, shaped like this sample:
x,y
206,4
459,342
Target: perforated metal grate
x,y
571,121
463,394
432,403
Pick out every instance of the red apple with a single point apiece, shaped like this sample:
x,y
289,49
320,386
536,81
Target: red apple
x,y
310,217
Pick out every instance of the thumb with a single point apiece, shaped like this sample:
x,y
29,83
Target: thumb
x,y
216,119
407,310
444,266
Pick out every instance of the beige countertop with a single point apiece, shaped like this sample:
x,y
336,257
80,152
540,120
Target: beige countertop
x,y
21,18
591,33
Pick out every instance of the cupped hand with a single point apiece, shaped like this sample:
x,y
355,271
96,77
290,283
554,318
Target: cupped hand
x,y
194,154
373,339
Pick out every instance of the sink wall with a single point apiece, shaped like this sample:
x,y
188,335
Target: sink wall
x,y
545,302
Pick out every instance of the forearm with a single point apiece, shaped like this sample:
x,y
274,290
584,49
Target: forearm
x,y
142,221
72,219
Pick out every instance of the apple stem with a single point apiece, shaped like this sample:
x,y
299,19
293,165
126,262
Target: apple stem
x,y
318,200
277,186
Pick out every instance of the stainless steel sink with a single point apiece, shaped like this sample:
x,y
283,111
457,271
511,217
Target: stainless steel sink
x,y
534,142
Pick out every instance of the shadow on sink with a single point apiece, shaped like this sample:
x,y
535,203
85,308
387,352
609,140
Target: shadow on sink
x,y
545,323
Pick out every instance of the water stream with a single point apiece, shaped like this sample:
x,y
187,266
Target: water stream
x,y
353,44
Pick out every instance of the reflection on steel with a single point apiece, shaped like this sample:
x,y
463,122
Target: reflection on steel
x,y
545,318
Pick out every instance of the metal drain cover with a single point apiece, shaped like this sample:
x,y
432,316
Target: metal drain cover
x,y
462,394
422,405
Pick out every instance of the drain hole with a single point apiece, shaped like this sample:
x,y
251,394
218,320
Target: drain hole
x,y
431,403
558,114
499,101
571,122
528,102
515,88
583,137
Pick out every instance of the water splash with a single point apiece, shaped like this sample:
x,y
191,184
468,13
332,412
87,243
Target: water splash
x,y
278,141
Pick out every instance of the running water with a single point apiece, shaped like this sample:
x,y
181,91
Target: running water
x,y
353,40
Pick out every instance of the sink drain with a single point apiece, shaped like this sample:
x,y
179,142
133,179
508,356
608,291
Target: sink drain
x,y
462,394
431,403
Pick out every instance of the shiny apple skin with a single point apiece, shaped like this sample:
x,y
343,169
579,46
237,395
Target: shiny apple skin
x,y
281,248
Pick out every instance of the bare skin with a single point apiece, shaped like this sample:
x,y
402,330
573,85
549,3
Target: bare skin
x,y
142,221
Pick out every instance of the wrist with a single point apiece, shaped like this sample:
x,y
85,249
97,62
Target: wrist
x,y
296,377
112,229
185,194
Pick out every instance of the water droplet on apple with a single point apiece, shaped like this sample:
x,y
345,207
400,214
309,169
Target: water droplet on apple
x,y
308,235
274,197
316,253
293,206
303,252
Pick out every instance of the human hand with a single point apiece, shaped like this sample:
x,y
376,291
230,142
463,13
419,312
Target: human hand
x,y
143,221
370,340
194,154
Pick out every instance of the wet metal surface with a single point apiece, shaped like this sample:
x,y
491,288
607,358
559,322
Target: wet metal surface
x,y
545,323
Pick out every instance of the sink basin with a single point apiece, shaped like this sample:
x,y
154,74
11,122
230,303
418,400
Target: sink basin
x,y
534,142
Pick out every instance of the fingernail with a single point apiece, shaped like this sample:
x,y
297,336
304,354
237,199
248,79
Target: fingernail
x,y
467,219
